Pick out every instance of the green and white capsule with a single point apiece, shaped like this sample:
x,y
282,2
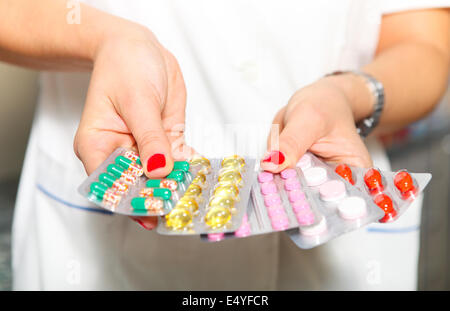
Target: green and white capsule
x,y
104,194
133,156
113,182
129,165
122,173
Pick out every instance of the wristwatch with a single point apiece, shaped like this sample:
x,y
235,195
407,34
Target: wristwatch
x,y
366,126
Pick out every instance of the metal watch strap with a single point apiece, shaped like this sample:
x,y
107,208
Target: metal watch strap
x,y
366,126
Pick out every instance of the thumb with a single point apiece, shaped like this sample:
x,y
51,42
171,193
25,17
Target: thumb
x,y
295,137
143,118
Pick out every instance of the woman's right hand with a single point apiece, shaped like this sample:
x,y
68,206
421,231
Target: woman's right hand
x,y
136,99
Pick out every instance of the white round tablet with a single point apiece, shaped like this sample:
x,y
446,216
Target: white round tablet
x,y
314,229
315,176
352,208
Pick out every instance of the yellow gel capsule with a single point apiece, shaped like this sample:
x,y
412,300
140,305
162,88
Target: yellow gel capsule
x,y
201,161
233,161
188,203
200,180
227,191
224,201
230,177
217,217
193,191
178,218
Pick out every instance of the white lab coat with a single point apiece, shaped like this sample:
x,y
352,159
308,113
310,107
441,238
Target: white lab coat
x,y
241,60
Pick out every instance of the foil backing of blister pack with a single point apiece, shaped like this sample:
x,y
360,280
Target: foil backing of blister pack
x,y
196,224
124,207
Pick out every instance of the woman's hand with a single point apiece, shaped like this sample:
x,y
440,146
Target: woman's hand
x,y
136,99
319,118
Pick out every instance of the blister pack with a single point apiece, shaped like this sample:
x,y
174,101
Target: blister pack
x,y
119,185
215,201
393,192
311,200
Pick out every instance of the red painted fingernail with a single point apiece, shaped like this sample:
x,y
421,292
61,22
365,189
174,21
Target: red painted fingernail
x,y
143,225
276,157
157,160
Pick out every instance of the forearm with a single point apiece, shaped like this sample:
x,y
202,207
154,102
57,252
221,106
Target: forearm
x,y
37,34
413,67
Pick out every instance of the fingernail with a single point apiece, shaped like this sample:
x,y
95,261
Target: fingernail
x,y
157,160
275,157
143,225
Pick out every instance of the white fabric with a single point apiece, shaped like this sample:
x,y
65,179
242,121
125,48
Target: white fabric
x,y
242,60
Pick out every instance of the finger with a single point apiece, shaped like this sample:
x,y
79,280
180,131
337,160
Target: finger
x,y
142,115
300,131
148,223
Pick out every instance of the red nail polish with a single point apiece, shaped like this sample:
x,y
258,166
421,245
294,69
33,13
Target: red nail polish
x,y
276,157
142,224
156,161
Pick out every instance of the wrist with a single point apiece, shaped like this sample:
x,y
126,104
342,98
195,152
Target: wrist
x,y
359,96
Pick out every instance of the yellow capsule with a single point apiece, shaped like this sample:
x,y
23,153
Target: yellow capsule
x,y
193,191
227,191
178,218
200,180
187,202
202,162
224,201
230,177
217,217
234,161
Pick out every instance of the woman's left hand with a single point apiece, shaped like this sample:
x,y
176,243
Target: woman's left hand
x,y
319,118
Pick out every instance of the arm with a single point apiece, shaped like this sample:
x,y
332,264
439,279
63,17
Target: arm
x,y
412,61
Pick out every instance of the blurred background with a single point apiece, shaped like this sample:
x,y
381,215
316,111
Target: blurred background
x,y
422,147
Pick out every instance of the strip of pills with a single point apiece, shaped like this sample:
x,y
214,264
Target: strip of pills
x,y
119,185
215,201
392,192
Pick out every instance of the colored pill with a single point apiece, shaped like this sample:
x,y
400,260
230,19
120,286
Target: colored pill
x,y
373,180
292,184
112,182
385,203
133,156
288,173
296,195
268,188
225,202
275,211
193,191
133,167
272,199
332,190
181,165
315,176
280,223
305,218
265,177
299,206
352,208
187,203
177,175
162,193
202,163
230,177
345,172
150,204
227,191
215,237
178,218
217,216
404,182
305,162
162,183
